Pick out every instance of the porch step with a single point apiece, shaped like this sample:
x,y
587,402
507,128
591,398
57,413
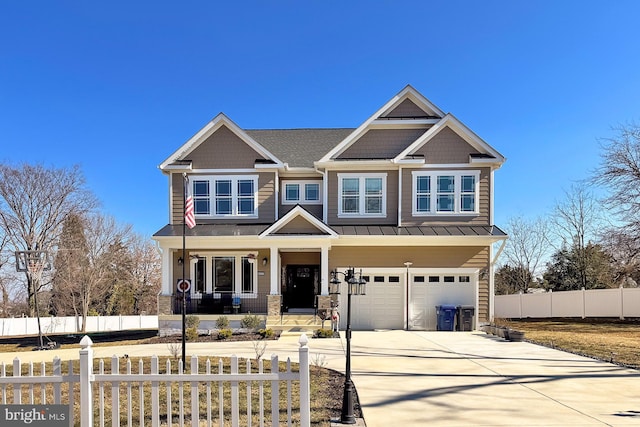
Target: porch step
x,y
295,323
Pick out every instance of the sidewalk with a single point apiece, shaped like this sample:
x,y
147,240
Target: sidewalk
x,y
450,378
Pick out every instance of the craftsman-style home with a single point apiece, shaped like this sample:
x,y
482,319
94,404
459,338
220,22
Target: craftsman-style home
x,y
406,198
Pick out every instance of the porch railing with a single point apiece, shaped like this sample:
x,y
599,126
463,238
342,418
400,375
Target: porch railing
x,y
239,394
220,303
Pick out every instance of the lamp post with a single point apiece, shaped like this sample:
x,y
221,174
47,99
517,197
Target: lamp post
x,y
356,286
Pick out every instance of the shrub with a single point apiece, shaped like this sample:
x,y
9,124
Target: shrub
x,y
323,333
225,333
191,334
192,321
251,322
222,322
266,333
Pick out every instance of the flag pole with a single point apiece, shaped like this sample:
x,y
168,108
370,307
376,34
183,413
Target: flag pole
x,y
184,261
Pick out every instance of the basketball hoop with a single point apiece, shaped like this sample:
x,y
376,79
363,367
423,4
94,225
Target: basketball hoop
x,y
34,263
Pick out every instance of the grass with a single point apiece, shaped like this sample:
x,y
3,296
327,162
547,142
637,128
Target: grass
x,y
325,405
614,341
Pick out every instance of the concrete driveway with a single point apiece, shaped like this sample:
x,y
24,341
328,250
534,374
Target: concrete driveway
x,y
450,378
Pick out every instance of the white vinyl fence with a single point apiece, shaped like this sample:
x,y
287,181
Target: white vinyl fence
x,y
619,303
165,396
21,326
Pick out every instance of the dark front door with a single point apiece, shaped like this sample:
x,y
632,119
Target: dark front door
x,y
301,286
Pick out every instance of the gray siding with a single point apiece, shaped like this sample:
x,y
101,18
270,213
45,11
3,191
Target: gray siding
x,y
223,150
382,143
392,200
446,147
406,109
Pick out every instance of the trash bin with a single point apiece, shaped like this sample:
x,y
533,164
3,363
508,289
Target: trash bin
x,y
446,316
465,317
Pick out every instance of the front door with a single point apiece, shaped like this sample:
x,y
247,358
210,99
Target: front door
x,y
302,281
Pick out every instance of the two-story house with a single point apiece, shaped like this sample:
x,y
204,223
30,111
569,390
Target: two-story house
x,y
406,197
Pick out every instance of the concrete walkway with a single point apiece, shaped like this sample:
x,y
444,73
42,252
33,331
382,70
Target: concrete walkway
x,y
449,378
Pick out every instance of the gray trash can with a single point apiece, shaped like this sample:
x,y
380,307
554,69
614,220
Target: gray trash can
x,y
446,316
466,313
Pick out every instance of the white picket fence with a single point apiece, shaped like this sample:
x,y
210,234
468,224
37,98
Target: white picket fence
x,y
164,388
618,303
21,326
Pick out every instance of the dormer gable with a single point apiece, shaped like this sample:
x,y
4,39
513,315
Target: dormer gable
x,y
220,144
396,125
450,141
298,221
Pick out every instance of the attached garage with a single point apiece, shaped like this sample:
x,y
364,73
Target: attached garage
x,y
431,288
385,304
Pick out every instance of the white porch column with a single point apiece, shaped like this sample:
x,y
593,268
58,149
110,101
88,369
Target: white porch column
x,y
324,271
275,272
167,271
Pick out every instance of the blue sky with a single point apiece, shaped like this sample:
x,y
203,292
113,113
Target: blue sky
x,y
117,86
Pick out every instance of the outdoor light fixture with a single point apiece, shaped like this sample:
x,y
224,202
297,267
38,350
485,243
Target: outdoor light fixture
x,y
356,285
265,261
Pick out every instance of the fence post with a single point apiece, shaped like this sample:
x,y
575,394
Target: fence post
x,y
621,303
584,303
86,374
305,398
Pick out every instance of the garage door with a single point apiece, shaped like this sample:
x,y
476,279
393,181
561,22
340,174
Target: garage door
x,y
430,290
381,308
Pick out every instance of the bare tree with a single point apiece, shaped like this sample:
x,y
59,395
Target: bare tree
x,y
526,250
34,202
146,274
619,171
576,221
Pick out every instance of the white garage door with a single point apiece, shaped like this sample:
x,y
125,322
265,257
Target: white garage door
x,y
432,289
381,308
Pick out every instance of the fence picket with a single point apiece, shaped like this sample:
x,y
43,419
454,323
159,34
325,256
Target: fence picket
x,y
195,407
153,382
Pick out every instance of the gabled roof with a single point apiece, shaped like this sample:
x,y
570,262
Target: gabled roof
x,y
299,147
216,123
461,129
298,211
430,109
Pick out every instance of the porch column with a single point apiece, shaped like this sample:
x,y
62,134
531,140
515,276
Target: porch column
x,y
324,271
167,272
275,272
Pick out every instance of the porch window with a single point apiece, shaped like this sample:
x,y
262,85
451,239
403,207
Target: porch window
x,y
223,274
445,193
362,195
226,273
200,275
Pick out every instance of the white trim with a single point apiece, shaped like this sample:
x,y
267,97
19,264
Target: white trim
x,y
400,198
403,123
407,93
222,171
293,213
491,197
209,129
362,195
302,186
234,195
434,193
458,127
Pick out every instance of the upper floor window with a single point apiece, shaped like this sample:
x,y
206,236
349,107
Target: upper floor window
x,y
445,193
362,195
307,192
225,195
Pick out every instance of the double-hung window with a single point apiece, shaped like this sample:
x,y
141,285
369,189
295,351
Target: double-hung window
x,y
303,192
362,195
222,196
445,193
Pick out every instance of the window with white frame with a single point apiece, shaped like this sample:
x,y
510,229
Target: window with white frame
x,y
445,193
304,192
362,195
224,274
218,196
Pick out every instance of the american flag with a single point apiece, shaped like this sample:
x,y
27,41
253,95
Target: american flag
x,y
189,215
